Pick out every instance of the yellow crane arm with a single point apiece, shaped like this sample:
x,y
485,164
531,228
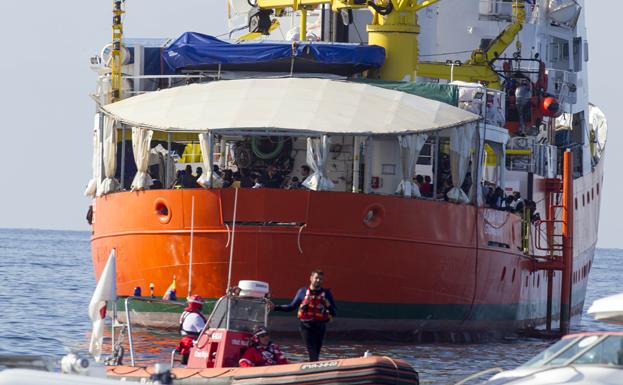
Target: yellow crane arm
x,y
504,39
466,72
479,68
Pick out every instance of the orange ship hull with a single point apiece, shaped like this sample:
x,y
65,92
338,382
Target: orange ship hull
x,y
415,265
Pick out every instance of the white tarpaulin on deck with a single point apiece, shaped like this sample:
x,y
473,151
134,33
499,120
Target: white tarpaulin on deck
x,y
290,104
96,163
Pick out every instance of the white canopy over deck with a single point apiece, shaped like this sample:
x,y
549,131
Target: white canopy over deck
x,y
309,107
305,106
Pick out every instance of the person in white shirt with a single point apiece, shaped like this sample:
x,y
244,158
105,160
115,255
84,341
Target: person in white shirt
x,y
192,322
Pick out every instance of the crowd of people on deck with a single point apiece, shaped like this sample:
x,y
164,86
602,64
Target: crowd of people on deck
x,y
272,177
495,198
275,177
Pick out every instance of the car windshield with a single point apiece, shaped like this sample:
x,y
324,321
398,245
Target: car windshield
x,y
548,353
578,345
607,352
245,314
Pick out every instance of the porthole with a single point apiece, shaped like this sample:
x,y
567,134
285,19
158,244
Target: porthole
x,y
373,215
162,210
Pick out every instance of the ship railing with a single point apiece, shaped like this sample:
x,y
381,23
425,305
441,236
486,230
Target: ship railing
x,y
502,10
495,10
141,84
133,85
552,243
128,321
563,85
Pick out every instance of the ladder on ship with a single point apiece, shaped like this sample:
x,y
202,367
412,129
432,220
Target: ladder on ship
x,y
554,237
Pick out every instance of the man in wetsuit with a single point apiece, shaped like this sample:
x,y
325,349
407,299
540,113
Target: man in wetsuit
x,y
316,307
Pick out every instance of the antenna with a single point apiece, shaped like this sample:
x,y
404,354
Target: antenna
x,y
192,234
231,255
233,235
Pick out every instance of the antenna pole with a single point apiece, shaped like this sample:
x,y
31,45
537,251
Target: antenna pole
x,y
233,235
231,256
192,235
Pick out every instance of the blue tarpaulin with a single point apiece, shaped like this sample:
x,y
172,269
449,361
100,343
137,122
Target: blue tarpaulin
x,y
195,50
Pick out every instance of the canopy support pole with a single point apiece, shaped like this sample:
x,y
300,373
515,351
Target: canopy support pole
x,y
436,165
168,161
102,167
211,155
122,157
222,160
356,163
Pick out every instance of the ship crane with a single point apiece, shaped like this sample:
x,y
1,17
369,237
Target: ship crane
x,y
479,68
394,27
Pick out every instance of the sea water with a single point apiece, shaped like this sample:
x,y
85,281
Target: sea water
x,y
46,282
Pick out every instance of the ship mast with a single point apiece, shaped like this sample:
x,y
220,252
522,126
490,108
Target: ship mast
x,y
117,36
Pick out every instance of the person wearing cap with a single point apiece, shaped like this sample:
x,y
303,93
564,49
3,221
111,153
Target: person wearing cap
x,y
191,324
262,351
523,96
316,307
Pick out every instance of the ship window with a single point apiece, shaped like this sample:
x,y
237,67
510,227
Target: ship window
x,y
513,276
597,188
576,203
577,54
588,197
583,200
538,281
503,273
526,281
559,50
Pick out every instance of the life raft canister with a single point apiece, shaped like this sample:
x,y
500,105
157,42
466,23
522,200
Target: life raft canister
x,y
315,307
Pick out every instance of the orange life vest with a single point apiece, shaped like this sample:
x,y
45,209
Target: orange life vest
x,y
315,307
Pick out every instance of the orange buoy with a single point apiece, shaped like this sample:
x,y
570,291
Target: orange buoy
x,y
550,107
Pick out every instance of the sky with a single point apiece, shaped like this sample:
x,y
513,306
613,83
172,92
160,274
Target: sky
x,y
46,114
